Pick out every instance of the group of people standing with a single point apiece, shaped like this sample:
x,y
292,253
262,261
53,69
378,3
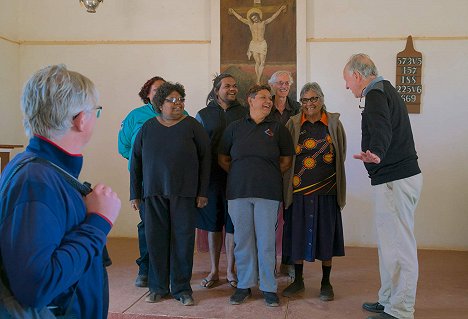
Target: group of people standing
x,y
229,164
233,168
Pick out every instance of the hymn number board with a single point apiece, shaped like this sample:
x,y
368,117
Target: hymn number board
x,y
408,76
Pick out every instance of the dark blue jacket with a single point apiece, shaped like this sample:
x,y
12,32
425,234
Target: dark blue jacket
x,y
48,242
386,132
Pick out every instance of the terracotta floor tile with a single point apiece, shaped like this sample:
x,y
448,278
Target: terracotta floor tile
x,y
442,289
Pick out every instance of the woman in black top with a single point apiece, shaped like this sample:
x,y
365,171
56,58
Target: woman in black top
x,y
255,150
171,158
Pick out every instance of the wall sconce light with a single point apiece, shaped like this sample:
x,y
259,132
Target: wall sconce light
x,y
91,5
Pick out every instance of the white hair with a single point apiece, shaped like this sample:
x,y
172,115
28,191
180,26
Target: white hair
x,y
52,97
362,64
274,77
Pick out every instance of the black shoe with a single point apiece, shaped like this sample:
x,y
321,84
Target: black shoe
x,y
186,300
373,307
271,299
239,296
295,287
153,297
326,293
382,315
141,281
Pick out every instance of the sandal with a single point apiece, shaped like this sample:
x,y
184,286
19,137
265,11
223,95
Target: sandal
x,y
208,283
232,283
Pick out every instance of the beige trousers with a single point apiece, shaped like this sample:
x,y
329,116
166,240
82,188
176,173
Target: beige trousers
x,y
395,204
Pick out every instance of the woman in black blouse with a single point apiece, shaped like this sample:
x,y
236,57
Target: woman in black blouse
x,y
171,158
255,150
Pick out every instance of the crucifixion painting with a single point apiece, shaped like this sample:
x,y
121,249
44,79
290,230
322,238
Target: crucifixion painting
x,y
258,38
258,46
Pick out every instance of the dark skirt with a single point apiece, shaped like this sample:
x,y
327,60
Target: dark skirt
x,y
316,228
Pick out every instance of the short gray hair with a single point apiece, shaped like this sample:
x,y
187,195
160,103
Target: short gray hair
x,y
362,64
315,87
52,97
274,77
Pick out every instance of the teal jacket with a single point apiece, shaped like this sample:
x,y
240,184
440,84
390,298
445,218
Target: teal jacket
x,y
130,127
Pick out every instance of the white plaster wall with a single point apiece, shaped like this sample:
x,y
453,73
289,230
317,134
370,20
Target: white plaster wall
x,y
9,19
120,70
381,18
440,129
115,20
11,131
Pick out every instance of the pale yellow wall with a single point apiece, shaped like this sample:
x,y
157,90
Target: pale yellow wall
x,y
339,29
9,19
380,18
179,40
11,131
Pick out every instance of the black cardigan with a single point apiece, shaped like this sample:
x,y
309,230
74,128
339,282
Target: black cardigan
x,y
386,132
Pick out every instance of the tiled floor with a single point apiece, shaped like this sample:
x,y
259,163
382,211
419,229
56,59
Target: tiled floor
x,y
442,289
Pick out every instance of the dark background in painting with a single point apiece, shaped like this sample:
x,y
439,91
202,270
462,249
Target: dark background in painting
x,y
280,36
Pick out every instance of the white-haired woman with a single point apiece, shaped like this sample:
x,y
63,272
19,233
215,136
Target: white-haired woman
x,y
315,186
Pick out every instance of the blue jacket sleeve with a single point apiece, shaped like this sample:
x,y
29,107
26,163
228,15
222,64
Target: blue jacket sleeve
x,y
41,258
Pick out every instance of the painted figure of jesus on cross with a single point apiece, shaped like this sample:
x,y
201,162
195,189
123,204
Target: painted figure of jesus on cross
x,y
258,46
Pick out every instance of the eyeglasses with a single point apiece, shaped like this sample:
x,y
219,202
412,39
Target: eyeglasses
x,y
175,100
281,83
312,99
98,112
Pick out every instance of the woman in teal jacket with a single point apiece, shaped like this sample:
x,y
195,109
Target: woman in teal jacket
x,y
129,128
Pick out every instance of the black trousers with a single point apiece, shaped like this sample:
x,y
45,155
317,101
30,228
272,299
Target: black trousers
x,y
143,259
170,235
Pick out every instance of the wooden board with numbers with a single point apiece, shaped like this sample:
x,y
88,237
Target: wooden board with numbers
x,y
408,76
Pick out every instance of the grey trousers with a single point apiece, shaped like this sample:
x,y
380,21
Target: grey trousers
x,y
254,222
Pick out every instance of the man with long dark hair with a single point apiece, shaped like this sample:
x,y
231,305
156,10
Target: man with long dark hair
x,y
221,109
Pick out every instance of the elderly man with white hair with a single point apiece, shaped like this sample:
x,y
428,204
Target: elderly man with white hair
x,y
283,108
389,155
